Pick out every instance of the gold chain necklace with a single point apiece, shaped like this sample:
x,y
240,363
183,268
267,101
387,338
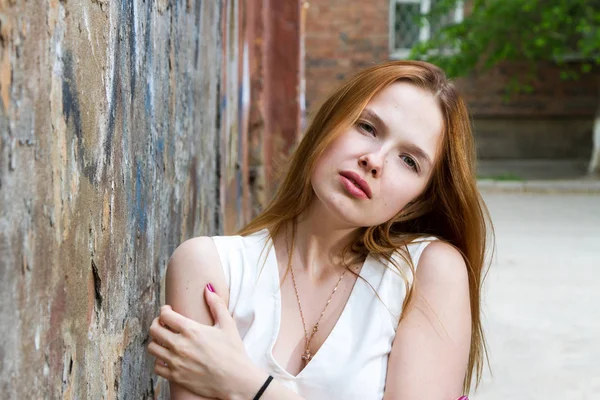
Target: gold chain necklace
x,y
307,356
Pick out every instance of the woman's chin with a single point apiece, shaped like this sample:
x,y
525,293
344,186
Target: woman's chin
x,y
345,212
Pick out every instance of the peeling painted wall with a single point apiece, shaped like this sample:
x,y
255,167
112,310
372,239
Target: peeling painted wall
x,y
274,33
126,127
111,150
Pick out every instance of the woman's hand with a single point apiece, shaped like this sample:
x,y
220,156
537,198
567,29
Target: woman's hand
x,y
209,361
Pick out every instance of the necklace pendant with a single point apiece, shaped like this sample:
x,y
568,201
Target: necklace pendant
x,y
307,356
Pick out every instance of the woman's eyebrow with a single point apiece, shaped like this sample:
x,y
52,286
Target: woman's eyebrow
x,y
370,114
418,152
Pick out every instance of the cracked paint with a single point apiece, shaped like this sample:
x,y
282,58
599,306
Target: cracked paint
x,y
108,139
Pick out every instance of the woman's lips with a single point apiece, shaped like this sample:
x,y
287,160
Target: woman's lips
x,y
352,188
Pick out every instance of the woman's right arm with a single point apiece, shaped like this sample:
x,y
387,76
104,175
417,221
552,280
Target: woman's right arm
x,y
193,265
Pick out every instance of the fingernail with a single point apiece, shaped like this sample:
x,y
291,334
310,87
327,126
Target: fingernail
x,y
209,286
463,398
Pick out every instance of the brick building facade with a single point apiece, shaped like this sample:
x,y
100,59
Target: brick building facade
x,y
554,121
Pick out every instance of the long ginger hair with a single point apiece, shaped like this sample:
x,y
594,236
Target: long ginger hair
x,y
450,208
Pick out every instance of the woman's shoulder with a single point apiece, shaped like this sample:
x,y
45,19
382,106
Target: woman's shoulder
x,y
431,262
444,263
203,247
432,254
207,252
411,252
417,246
198,252
194,264
241,248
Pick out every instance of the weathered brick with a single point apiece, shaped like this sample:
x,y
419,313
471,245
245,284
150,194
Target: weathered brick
x,y
357,33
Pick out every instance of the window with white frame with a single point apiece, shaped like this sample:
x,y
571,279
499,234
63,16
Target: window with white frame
x,y
407,27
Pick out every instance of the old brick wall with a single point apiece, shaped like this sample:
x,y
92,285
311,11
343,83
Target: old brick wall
x,y
344,36
555,120
111,153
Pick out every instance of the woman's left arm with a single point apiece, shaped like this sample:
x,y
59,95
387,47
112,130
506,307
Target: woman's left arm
x,y
430,352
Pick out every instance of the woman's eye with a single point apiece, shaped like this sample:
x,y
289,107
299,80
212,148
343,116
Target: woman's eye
x,y
408,160
367,128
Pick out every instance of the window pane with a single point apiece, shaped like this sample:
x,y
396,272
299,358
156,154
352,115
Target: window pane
x,y
438,21
406,25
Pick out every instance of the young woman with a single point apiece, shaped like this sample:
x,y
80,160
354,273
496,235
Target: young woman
x,y
361,279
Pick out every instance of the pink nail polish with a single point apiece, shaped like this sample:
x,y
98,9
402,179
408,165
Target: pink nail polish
x,y
209,286
463,398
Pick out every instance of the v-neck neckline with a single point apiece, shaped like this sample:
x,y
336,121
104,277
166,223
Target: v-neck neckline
x,y
271,262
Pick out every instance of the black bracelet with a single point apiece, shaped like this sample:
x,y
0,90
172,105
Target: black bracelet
x,y
263,388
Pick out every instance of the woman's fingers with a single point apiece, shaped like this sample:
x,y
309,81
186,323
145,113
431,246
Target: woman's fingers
x,y
159,352
176,322
161,334
218,309
161,369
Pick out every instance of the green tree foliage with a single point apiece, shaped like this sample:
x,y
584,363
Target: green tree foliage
x,y
495,31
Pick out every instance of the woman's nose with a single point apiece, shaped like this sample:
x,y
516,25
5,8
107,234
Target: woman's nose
x,y
371,164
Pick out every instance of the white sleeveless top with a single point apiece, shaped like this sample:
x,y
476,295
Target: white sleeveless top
x,y
352,362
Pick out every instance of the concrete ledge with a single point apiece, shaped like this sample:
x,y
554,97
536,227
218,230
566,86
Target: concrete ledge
x,y
583,186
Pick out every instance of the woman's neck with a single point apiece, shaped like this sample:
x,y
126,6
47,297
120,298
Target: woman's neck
x,y
319,242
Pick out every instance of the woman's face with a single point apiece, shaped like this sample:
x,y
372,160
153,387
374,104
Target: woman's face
x,y
389,153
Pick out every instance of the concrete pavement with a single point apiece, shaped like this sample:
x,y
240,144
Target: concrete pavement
x,y
542,298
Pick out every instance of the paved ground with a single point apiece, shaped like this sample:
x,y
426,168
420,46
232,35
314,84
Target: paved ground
x,y
542,298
